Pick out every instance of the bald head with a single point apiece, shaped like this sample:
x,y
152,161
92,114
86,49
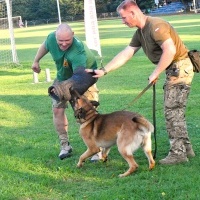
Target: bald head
x,y
64,36
63,28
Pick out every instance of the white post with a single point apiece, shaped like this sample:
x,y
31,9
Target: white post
x,y
194,4
48,77
91,26
35,77
14,55
58,7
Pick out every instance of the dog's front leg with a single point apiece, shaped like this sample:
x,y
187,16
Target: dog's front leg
x,y
88,153
104,154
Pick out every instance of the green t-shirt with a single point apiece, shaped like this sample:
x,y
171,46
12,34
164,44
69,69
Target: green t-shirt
x,y
78,54
151,37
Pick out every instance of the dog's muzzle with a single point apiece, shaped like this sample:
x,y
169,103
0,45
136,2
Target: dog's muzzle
x,y
80,113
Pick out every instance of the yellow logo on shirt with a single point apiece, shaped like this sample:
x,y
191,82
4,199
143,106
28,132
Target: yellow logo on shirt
x,y
65,63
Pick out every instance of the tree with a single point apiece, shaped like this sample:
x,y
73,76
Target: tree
x,y
20,8
71,7
101,6
112,5
46,9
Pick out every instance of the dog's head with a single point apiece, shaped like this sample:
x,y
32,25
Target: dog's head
x,y
81,105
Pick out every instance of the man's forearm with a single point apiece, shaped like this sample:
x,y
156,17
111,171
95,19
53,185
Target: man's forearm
x,y
120,59
40,53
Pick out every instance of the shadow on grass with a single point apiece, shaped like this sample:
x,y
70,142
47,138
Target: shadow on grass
x,y
9,73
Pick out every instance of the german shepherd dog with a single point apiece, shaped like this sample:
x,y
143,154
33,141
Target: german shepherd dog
x,y
99,132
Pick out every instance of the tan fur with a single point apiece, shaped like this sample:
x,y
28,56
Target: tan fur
x,y
128,130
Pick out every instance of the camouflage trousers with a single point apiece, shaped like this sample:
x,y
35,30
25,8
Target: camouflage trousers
x,y
176,90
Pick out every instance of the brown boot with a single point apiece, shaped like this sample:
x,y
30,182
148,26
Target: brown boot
x,y
173,159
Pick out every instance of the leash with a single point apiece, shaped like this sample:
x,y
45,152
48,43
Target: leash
x,y
139,95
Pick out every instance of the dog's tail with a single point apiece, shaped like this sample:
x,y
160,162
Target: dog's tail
x,y
143,124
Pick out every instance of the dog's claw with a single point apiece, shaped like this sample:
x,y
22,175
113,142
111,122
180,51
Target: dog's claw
x,y
79,165
151,166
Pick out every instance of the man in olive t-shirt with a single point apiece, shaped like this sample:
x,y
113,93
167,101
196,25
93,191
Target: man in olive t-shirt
x,y
164,48
68,53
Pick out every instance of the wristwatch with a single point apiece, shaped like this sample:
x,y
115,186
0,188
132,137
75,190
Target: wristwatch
x,y
104,70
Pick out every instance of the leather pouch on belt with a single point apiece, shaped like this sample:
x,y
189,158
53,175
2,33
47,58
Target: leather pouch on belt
x,y
173,70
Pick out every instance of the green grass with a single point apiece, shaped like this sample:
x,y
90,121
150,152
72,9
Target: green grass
x,y
30,168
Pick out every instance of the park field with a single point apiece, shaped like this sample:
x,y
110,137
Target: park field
x,y
29,146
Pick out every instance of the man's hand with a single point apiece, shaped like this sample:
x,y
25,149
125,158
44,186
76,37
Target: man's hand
x,y
153,78
98,72
36,67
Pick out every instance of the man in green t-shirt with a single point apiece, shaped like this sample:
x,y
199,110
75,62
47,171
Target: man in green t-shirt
x,y
68,53
164,48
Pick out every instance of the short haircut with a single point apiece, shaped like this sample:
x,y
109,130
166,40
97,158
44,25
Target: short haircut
x,y
126,4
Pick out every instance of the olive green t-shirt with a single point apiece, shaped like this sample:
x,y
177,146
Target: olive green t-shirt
x,y
151,37
78,54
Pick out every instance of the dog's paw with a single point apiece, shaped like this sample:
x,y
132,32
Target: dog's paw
x,y
104,159
152,165
79,165
123,175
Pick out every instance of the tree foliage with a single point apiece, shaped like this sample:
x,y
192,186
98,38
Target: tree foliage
x,y
46,9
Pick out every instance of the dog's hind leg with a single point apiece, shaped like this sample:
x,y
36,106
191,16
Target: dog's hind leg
x,y
132,165
147,150
126,153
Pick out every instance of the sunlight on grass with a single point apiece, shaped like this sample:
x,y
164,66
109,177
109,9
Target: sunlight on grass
x,y
13,115
109,27
185,21
189,38
116,41
115,92
28,46
22,165
187,26
21,46
5,47
33,34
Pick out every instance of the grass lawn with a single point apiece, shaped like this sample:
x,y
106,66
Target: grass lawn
x,y
29,146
